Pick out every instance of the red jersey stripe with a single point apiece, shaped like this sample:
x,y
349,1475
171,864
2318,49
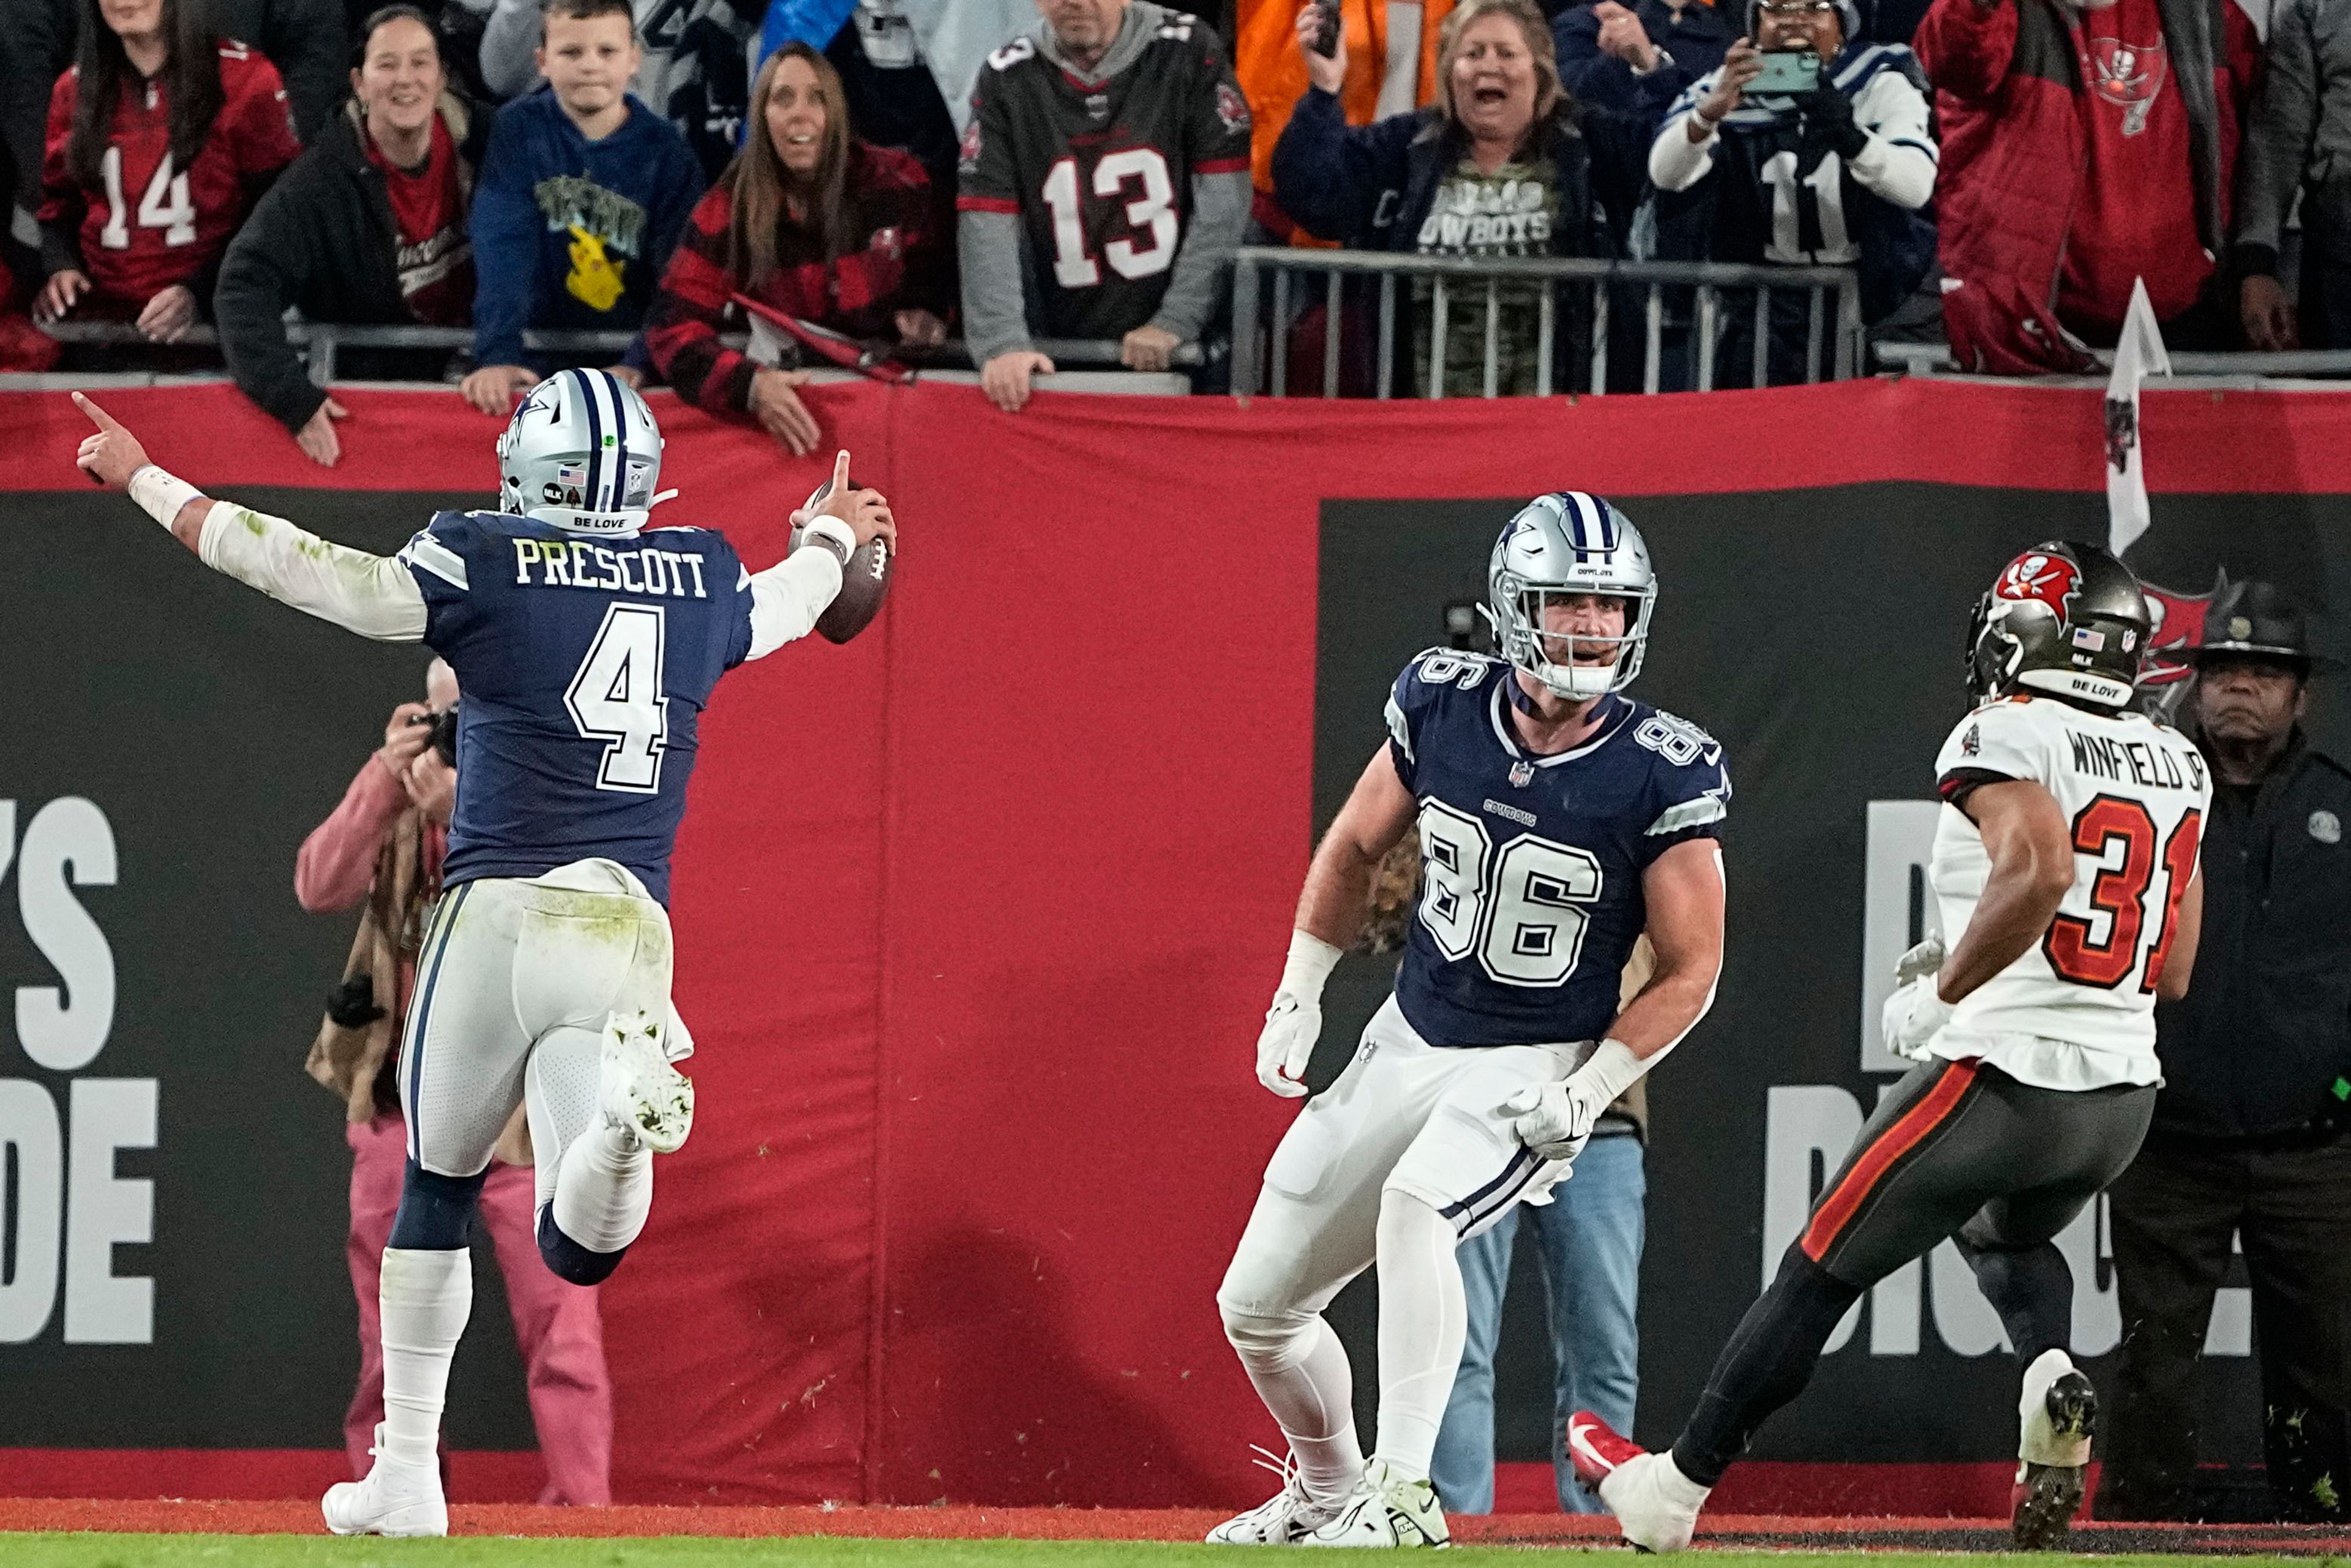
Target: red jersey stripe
x,y
1838,1209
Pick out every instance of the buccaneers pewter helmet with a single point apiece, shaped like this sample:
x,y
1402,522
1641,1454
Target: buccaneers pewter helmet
x,y
1559,546
2065,618
582,452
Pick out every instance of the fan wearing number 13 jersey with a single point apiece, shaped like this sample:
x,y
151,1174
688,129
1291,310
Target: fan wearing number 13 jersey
x,y
1107,165
2064,869
1558,821
587,646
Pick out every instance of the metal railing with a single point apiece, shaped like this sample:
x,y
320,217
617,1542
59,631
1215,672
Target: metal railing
x,y
324,339
1263,277
1930,359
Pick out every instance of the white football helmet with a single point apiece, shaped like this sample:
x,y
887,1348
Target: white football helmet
x,y
1562,544
582,452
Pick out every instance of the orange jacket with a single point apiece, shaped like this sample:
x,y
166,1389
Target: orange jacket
x,y
1274,76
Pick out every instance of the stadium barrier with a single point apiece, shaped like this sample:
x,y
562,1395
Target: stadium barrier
x,y
322,341
977,918
1264,316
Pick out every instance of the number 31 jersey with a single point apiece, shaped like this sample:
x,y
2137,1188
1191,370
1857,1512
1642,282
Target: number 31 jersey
x,y
1531,897
2077,1010
584,666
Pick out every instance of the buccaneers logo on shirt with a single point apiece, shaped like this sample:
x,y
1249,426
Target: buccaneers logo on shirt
x,y
2128,76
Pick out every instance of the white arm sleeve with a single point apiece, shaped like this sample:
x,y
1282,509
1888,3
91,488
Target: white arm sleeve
x,y
1675,162
372,595
787,597
1899,162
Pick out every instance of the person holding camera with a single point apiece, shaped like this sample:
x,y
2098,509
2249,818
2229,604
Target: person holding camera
x,y
382,849
1807,147
2249,1137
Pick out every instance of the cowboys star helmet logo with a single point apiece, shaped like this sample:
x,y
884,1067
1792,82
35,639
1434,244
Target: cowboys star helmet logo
x,y
2050,579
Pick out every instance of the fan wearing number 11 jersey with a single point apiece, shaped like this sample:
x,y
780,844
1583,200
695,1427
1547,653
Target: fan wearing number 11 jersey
x,y
587,646
2064,871
1558,821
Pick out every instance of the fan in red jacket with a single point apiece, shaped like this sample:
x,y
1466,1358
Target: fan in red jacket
x,y
2084,147
161,139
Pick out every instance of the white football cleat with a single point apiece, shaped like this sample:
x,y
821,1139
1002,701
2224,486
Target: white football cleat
x,y
2057,1416
394,1499
1387,1509
641,1092
1656,1505
1280,1521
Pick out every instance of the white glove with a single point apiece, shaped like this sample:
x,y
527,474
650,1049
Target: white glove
x,y
1554,1121
1294,1023
1914,1014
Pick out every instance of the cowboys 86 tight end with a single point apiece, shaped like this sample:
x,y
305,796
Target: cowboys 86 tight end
x,y
1558,821
2064,871
587,647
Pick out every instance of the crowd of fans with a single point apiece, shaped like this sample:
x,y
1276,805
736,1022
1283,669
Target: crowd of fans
x,y
881,175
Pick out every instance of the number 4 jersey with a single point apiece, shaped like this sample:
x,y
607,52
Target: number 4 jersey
x,y
2077,1010
1531,897
585,666
1101,173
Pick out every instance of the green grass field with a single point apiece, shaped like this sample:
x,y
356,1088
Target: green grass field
x,y
813,1551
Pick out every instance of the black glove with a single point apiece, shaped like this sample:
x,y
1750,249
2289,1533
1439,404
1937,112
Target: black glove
x,y
1828,128
351,1005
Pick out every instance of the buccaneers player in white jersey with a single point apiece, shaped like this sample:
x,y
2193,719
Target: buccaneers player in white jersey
x,y
2065,870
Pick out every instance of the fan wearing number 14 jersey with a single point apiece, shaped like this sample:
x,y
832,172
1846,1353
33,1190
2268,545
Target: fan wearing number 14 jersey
x,y
1558,821
2064,871
587,646
136,215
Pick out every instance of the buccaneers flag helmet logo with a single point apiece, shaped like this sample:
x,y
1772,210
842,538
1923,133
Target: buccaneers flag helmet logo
x,y
2051,578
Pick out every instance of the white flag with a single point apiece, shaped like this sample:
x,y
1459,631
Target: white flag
x,y
2139,355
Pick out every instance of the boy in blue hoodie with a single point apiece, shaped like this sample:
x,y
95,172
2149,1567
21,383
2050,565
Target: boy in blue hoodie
x,y
583,194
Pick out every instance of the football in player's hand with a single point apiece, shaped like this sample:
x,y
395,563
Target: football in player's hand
x,y
865,582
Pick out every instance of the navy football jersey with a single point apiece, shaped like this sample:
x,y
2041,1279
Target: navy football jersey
x,y
1531,897
585,665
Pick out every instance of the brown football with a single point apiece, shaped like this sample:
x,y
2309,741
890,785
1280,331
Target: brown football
x,y
865,582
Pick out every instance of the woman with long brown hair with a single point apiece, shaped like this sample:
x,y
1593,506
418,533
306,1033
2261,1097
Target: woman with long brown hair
x,y
161,139
814,223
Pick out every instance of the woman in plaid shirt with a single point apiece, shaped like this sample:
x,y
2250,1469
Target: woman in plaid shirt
x,y
810,220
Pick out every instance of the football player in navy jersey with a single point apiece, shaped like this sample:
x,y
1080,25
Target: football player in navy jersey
x,y
1559,820
588,646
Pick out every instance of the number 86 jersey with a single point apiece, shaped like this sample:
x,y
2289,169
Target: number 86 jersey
x,y
1531,897
584,665
2077,1010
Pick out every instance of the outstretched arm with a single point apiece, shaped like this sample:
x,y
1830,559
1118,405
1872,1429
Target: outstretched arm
x,y
372,595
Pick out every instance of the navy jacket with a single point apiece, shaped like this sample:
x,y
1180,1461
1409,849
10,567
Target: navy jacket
x,y
569,232
1697,40
1370,186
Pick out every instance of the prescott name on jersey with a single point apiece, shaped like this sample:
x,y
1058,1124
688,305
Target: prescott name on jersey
x,y
2077,1010
1532,865
585,668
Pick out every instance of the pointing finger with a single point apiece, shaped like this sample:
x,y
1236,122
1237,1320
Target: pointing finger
x,y
840,471
98,416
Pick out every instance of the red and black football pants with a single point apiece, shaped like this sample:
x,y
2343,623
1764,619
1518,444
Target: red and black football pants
x,y
1956,1149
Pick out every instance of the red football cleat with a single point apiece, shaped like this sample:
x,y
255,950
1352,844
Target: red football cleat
x,y
1596,1448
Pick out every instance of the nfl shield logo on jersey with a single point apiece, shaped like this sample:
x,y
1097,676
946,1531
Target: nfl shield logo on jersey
x,y
1522,773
